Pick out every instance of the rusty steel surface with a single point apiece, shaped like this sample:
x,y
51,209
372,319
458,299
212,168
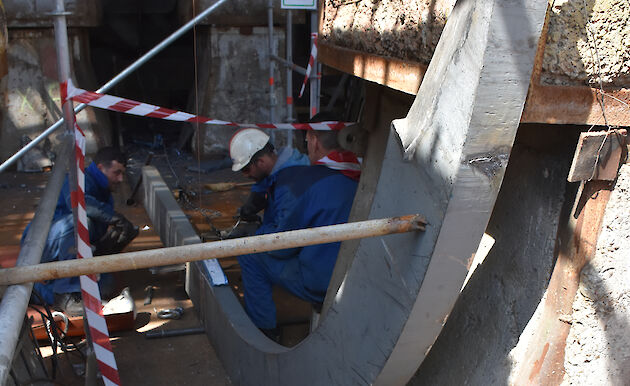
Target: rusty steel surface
x,y
394,73
564,105
554,104
559,105
544,359
213,250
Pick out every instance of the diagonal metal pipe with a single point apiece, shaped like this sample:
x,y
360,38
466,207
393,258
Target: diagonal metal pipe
x,y
115,80
15,298
213,250
290,65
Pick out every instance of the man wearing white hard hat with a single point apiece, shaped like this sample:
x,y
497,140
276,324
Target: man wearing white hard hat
x,y
254,156
297,197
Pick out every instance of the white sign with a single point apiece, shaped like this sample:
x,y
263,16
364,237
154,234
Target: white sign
x,y
299,4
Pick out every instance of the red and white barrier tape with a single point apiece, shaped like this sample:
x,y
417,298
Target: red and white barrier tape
x,y
311,60
89,285
129,106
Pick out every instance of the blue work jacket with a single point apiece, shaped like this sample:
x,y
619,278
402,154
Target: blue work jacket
x,y
278,202
98,201
60,243
319,196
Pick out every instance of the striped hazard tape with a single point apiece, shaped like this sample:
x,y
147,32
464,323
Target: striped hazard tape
x,y
311,61
129,106
89,286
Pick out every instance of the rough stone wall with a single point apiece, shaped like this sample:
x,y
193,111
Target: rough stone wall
x,y
598,345
409,30
30,95
404,29
587,38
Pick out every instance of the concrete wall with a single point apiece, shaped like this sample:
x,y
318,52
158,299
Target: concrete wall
x,y
29,88
30,97
404,29
236,12
234,83
598,344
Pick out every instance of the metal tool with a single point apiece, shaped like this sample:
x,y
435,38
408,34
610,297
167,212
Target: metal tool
x,y
227,235
149,294
225,186
170,313
169,333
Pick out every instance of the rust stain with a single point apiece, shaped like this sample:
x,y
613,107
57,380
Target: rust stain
x,y
577,240
539,362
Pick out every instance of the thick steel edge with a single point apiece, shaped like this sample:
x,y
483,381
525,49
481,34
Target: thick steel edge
x,y
386,315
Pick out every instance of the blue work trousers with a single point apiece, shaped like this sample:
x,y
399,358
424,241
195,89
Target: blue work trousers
x,y
60,246
260,272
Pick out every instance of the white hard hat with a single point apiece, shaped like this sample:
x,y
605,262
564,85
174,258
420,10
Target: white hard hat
x,y
244,144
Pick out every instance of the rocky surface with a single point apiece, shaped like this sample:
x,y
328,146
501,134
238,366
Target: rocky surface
x,y
403,29
587,41
598,345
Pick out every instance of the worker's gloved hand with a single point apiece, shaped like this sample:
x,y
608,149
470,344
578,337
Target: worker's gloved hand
x,y
254,204
120,233
244,229
122,225
120,221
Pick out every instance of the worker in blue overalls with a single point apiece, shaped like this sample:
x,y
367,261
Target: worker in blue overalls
x,y
109,231
296,197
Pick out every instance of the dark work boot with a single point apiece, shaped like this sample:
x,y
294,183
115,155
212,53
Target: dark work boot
x,y
69,303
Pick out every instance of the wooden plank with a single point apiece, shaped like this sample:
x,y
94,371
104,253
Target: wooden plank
x,y
597,156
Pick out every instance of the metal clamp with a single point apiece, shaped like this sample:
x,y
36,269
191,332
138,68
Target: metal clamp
x,y
170,313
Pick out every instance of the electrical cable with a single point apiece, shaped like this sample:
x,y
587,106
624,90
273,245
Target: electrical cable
x,y
67,345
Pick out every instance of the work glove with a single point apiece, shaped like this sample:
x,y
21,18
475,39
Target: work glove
x,y
244,229
120,233
121,224
254,204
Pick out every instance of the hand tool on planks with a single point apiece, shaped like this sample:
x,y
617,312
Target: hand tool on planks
x,y
225,186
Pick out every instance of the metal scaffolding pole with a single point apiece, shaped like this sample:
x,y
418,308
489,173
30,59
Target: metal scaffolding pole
x,y
292,66
63,72
115,80
15,298
289,41
315,71
272,95
212,250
